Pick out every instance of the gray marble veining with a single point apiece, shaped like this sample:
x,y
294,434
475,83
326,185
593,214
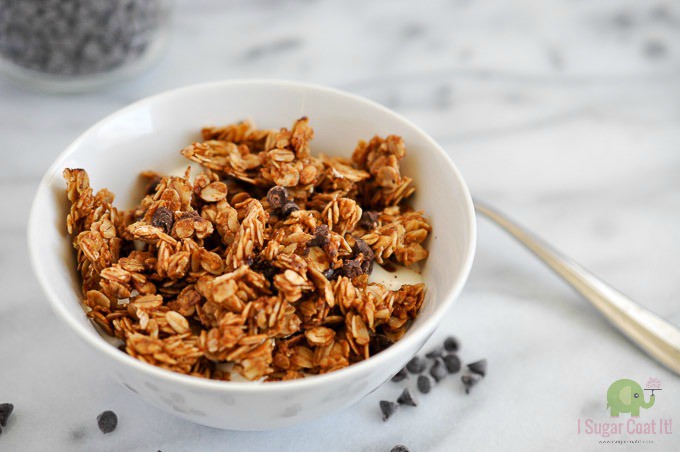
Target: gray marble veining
x,y
564,114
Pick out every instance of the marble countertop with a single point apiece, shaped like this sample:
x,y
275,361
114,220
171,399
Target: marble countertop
x,y
564,114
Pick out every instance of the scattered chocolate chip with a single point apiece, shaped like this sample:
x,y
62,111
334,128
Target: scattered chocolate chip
x,y
0,430
388,409
288,208
469,380
352,268
416,365
329,274
5,411
163,218
401,375
435,353
379,342
451,344
399,448
369,219
452,363
478,367
438,371
406,399
107,421
322,236
424,384
78,38
277,197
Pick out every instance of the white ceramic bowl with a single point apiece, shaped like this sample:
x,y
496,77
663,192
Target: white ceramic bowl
x,y
148,135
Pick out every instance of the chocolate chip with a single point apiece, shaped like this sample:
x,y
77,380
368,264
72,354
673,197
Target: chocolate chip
x,y
452,363
265,267
322,236
362,248
469,380
406,399
369,219
352,268
424,384
451,344
438,371
163,218
288,207
329,274
399,376
388,409
107,421
399,448
277,197
379,342
478,367
435,353
5,411
193,214
416,365
71,38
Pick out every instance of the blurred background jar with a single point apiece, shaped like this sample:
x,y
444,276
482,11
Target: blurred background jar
x,y
78,45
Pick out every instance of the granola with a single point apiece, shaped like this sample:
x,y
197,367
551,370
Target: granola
x,y
259,266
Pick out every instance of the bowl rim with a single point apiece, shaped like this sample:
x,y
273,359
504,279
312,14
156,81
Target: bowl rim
x,y
93,339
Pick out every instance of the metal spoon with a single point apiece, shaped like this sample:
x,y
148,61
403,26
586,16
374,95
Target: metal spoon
x,y
659,338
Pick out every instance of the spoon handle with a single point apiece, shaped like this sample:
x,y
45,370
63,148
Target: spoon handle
x,y
654,335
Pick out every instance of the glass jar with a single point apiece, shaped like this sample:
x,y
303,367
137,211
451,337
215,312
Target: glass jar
x,y
76,45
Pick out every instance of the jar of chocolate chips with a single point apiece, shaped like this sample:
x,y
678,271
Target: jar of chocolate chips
x,y
76,45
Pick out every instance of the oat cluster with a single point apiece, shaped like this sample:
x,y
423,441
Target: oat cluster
x,y
261,265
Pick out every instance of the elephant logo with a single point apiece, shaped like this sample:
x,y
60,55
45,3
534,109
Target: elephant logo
x,y
627,396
